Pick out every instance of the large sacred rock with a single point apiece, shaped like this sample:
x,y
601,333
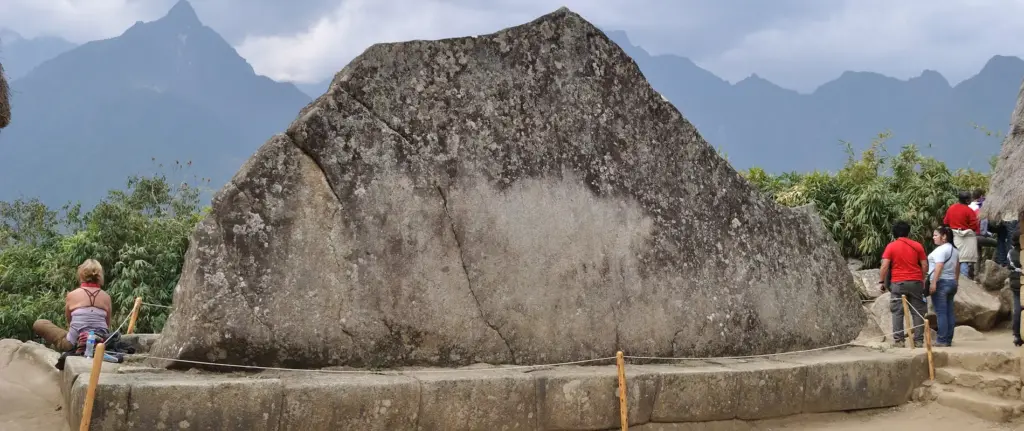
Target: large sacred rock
x,y
1005,196
522,197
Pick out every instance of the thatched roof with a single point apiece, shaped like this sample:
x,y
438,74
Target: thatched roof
x,y
5,101
1005,197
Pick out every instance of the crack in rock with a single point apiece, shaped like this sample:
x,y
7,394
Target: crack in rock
x,y
469,282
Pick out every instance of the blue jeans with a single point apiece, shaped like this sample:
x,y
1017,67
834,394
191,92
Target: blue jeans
x,y
943,300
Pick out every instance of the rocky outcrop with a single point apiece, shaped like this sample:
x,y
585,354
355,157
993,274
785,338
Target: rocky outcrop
x,y
867,283
1005,197
972,306
993,276
520,197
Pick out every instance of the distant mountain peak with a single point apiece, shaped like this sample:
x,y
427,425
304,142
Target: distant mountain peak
x,y
620,38
182,14
1002,63
931,78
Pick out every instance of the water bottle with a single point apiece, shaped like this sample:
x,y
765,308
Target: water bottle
x,y
90,344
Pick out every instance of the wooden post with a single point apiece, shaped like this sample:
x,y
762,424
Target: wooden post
x,y
928,346
135,315
908,327
90,392
623,409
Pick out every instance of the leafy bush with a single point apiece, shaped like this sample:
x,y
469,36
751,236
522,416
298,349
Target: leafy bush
x,y
859,202
139,234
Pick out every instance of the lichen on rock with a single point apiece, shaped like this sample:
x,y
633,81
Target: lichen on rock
x,y
520,197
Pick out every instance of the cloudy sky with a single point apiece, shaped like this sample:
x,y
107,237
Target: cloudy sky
x,y
796,43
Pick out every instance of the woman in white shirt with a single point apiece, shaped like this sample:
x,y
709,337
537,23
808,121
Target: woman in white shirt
x,y
943,280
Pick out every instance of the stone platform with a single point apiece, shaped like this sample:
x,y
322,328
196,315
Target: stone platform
x,y
134,397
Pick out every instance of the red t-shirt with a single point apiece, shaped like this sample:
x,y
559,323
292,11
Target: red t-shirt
x,y
905,256
960,216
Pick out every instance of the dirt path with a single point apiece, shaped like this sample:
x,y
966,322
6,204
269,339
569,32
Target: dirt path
x,y
909,417
30,399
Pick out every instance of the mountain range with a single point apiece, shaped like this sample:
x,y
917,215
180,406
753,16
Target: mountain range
x,y
85,117
20,55
171,89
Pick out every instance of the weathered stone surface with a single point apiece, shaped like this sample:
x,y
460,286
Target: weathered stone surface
x,y
715,393
967,333
30,395
1006,386
1005,303
521,197
1005,197
478,400
141,342
858,380
110,407
867,283
182,402
770,389
992,275
677,401
872,330
587,398
974,306
77,366
351,402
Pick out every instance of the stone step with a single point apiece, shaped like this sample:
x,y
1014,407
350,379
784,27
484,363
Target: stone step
x,y
1005,386
141,342
996,361
984,406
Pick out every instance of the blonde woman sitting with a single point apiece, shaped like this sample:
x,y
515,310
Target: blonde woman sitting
x,y
87,308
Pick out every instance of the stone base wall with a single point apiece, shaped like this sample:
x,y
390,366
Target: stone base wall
x,y
563,398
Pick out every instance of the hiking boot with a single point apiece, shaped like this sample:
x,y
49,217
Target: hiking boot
x,y
919,344
899,344
941,345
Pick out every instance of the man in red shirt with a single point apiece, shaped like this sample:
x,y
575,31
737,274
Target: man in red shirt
x,y
905,260
964,221
961,216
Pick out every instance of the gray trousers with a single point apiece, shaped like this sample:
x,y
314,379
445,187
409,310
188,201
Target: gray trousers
x,y
914,292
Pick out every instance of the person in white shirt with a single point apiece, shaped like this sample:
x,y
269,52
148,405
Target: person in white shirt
x,y
943,280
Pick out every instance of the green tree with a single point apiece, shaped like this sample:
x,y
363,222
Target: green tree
x,y
139,234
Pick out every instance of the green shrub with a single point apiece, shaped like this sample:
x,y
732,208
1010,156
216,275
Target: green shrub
x,y
859,202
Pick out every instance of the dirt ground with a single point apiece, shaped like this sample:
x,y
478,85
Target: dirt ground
x,y
909,417
30,400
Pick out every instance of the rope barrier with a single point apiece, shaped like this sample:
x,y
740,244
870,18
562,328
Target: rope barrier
x,y
385,372
891,335
157,305
764,355
126,319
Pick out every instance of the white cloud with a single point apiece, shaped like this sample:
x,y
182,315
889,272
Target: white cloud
x,y
795,43
333,40
78,20
897,38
